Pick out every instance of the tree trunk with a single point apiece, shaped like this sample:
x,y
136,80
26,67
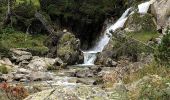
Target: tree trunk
x,y
9,13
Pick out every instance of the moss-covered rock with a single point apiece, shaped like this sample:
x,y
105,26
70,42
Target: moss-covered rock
x,y
68,48
137,23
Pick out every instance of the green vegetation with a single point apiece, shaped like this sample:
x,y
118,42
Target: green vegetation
x,y
151,69
34,2
143,36
10,38
162,55
3,69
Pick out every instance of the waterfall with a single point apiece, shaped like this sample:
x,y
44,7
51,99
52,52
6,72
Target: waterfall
x,y
143,7
90,55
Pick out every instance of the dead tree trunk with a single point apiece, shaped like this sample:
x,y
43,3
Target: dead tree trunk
x,y
8,14
44,22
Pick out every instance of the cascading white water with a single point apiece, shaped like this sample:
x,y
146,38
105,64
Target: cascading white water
x,y
90,55
143,7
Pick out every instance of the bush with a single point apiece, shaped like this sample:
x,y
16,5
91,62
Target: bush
x,y
162,55
17,92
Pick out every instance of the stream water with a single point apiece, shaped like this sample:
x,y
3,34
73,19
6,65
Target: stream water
x,y
90,55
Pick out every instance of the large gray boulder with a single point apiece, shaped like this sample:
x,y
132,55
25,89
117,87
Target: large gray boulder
x,y
20,55
161,10
42,64
75,92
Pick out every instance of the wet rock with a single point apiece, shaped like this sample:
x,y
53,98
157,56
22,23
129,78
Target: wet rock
x,y
84,73
40,76
85,81
19,55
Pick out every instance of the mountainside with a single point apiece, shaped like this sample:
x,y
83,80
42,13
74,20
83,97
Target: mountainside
x,y
84,49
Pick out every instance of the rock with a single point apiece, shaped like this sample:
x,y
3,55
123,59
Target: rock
x,y
85,81
7,61
137,23
19,55
119,92
68,49
105,54
18,77
64,30
110,63
40,76
23,71
23,64
40,63
75,92
161,10
3,78
158,40
84,73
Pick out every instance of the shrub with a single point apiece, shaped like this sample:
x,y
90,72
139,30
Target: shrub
x,y
162,55
17,92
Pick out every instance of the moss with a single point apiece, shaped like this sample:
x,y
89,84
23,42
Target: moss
x,y
64,44
3,69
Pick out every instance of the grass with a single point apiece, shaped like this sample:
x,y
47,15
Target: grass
x,y
14,39
151,69
144,36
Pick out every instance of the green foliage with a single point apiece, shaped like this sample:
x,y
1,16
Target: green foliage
x,y
162,55
130,47
3,69
10,38
150,69
36,3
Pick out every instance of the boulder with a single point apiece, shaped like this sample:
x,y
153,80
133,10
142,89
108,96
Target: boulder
x,y
41,63
40,76
18,77
137,23
19,55
68,49
75,92
106,57
161,11
3,78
